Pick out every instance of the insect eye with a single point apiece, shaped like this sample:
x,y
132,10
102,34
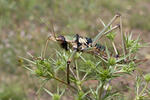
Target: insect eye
x,y
61,38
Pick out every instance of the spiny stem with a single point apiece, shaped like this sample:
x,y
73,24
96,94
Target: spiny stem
x,y
143,89
115,48
77,73
77,70
101,91
69,86
84,77
73,73
65,83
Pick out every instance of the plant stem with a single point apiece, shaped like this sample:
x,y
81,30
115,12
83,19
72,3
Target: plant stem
x,y
143,89
101,91
115,49
65,83
69,86
140,94
77,73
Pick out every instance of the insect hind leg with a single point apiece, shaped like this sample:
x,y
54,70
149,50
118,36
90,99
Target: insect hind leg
x,y
122,36
105,28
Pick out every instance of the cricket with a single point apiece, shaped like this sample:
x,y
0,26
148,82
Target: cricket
x,y
85,44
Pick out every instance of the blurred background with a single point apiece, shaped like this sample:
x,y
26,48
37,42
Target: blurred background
x,y
24,27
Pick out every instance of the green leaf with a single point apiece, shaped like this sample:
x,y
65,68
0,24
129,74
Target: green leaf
x,y
51,94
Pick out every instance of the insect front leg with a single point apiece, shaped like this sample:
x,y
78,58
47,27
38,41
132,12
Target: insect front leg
x,y
51,37
45,48
46,44
68,65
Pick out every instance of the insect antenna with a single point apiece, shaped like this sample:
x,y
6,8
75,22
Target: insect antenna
x,y
53,32
47,40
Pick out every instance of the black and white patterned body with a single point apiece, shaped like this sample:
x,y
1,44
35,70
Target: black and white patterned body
x,y
79,43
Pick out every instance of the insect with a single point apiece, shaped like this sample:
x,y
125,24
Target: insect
x,y
84,44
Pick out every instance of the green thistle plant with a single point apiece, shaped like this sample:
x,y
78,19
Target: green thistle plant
x,y
100,68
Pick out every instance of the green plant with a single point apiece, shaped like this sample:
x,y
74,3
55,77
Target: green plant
x,y
11,92
103,69
142,90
